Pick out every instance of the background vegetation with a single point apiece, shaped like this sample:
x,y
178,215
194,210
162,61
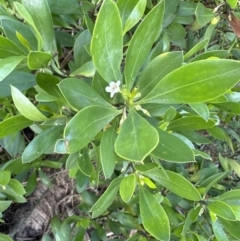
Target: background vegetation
x,y
137,102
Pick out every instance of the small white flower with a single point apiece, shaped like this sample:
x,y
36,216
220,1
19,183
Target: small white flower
x,y
113,88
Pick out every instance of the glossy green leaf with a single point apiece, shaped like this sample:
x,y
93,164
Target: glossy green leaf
x,y
230,195
8,64
37,60
42,18
171,148
218,231
5,177
25,106
153,216
106,198
222,209
201,109
17,186
26,15
195,82
190,123
106,45
107,152
203,14
174,183
127,187
9,48
64,7
136,139
41,143
79,94
141,43
9,192
153,73
49,84
86,124
130,12
86,70
199,46
19,79
81,56
84,163
232,227
13,124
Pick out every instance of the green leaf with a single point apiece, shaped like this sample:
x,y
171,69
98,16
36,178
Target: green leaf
x,y
86,70
221,54
42,18
107,152
137,138
231,107
174,183
107,45
131,12
13,124
201,109
17,187
10,26
20,80
232,227
37,60
218,231
41,143
218,133
25,106
190,123
199,46
235,166
79,94
203,14
26,15
222,209
230,195
84,163
86,124
232,3
5,177
81,56
8,64
152,74
9,192
195,82
4,237
106,198
127,187
3,206
153,216
49,84
142,42
64,7
171,148
9,48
